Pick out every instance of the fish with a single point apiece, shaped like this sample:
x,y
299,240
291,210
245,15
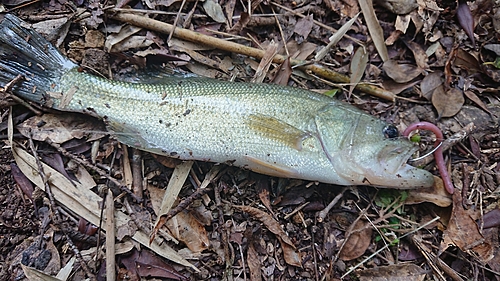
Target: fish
x,y
270,129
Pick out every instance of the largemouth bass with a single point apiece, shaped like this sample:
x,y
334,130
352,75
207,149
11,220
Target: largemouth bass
x,y
270,129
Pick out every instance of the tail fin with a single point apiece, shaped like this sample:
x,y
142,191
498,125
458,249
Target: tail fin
x,y
25,52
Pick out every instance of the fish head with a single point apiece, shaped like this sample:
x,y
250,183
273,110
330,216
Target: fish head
x,y
364,150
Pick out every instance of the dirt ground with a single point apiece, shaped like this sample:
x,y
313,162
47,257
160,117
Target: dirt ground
x,y
425,60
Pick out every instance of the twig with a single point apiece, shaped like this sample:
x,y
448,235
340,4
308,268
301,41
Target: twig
x,y
110,237
323,213
232,47
186,202
137,187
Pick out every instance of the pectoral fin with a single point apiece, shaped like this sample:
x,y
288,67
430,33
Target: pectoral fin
x,y
271,169
278,130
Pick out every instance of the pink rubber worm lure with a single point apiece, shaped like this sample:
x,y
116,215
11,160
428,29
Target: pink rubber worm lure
x,y
438,154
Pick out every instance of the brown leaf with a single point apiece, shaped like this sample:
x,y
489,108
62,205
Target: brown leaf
x,y
214,10
254,264
22,181
270,223
374,28
358,66
447,103
283,74
186,228
265,63
419,54
463,232
401,73
145,264
435,194
304,26
473,97
262,187
466,61
466,20
430,83
397,88
290,254
395,272
357,243
241,23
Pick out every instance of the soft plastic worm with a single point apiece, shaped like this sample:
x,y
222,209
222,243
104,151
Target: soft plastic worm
x,y
438,153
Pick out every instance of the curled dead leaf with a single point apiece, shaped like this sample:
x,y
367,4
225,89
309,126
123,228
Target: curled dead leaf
x,y
447,103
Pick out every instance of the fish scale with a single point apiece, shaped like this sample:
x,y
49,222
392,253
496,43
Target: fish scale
x,y
270,129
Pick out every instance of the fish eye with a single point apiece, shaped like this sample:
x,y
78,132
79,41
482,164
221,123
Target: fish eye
x,y
390,131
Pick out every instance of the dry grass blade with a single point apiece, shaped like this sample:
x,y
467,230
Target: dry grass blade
x,y
358,66
374,28
335,38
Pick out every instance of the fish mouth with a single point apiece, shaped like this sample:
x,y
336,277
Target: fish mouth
x,y
393,171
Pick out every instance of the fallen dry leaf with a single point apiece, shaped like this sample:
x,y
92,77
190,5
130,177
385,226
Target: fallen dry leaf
x,y
463,232
358,66
304,26
270,223
283,74
447,103
401,73
186,228
435,194
214,10
466,61
466,20
430,83
374,28
289,252
254,263
357,243
335,38
473,97
419,54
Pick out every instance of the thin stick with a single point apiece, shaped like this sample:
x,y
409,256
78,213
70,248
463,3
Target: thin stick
x,y
110,237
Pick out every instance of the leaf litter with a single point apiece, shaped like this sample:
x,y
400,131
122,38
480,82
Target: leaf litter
x,y
430,40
